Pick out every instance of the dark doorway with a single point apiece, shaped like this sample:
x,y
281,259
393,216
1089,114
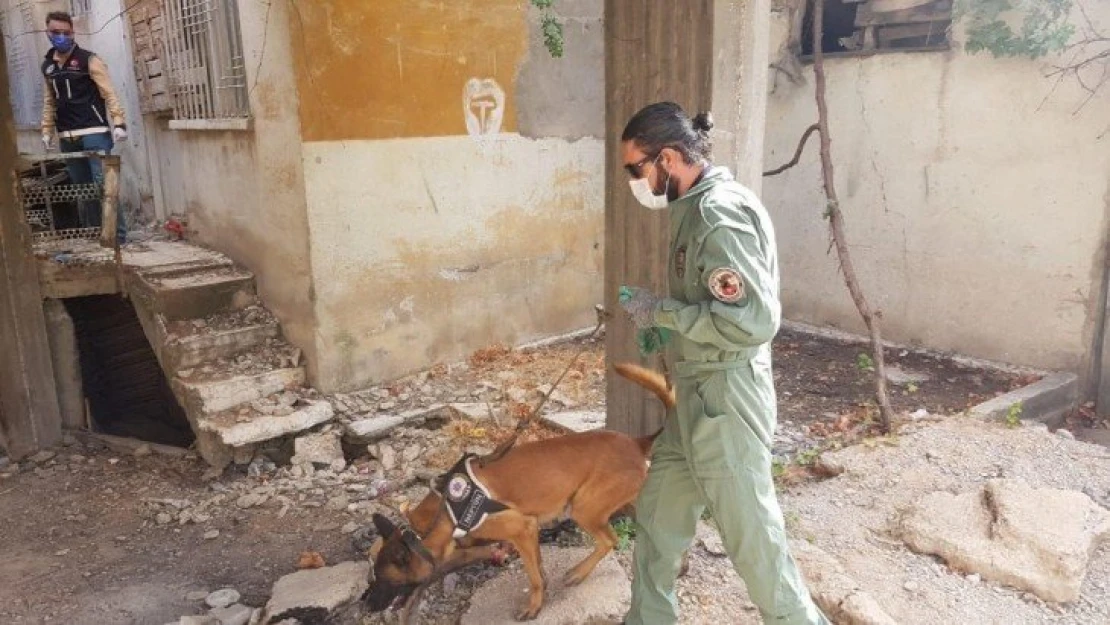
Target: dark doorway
x,y
128,394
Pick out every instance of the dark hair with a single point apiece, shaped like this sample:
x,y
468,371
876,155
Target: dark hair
x,y
59,16
666,125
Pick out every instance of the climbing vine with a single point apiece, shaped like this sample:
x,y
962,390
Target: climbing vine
x,y
1016,28
551,27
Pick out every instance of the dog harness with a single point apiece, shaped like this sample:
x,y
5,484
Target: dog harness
x,y
468,501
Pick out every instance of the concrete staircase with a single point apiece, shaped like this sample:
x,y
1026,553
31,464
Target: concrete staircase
x,y
238,380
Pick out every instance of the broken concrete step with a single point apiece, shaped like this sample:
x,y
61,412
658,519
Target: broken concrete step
x,y
194,294
183,351
254,423
209,396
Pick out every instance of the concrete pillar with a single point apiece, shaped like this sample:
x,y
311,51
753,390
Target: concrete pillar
x,y
29,418
65,356
741,52
705,55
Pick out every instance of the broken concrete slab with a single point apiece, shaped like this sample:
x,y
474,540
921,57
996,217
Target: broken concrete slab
x,y
576,421
316,592
211,396
369,429
236,429
604,595
321,448
1035,539
1046,400
474,411
839,596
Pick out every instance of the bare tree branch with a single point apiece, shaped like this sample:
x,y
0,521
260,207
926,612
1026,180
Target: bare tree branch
x,y
797,153
836,223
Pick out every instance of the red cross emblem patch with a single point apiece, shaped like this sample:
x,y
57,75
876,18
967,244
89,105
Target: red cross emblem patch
x,y
726,285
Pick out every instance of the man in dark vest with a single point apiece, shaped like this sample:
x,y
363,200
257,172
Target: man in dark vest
x,y
80,106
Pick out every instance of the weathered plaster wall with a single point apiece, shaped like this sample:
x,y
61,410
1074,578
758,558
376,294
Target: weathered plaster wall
x,y
434,235
976,208
243,191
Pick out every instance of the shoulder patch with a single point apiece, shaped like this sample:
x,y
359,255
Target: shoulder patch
x,y
726,284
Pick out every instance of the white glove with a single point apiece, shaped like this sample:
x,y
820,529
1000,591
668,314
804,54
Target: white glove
x,y
119,134
47,141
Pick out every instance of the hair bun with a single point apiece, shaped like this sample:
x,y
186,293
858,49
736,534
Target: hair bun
x,y
703,121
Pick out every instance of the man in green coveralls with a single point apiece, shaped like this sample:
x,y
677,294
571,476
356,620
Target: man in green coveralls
x,y
719,319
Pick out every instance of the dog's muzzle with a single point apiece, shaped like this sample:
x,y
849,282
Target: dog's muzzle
x,y
383,595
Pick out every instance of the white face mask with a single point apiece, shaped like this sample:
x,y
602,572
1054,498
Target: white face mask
x,y
641,189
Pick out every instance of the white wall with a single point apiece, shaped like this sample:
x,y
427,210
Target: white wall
x,y
976,208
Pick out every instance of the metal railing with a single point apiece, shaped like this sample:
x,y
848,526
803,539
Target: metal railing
x,y
41,196
204,59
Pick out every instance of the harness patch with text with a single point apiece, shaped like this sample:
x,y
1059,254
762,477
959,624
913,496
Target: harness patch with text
x,y
680,262
468,501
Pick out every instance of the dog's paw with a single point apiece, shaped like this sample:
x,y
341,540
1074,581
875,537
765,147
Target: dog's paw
x,y
528,613
573,578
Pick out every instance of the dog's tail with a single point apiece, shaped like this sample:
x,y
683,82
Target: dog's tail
x,y
654,382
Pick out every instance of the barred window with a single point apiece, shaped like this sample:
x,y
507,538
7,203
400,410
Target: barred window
x,y
203,61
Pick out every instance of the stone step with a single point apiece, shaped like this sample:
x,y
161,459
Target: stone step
x,y
193,292
190,343
222,384
266,419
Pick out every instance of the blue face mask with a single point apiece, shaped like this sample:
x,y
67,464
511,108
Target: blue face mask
x,y
62,43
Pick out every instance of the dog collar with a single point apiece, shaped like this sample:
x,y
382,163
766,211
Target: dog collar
x,y
467,500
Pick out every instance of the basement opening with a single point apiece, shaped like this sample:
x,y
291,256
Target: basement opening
x,y
126,391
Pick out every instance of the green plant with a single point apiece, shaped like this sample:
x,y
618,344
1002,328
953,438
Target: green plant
x,y
626,533
865,362
808,457
551,28
778,469
1044,26
1013,415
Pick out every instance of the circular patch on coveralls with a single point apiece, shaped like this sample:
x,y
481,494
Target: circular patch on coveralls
x,y
458,488
726,285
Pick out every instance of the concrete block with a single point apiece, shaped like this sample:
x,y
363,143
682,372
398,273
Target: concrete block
x,y
1048,400
194,294
212,396
236,430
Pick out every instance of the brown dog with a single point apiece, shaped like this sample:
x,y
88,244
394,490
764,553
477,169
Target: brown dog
x,y
593,475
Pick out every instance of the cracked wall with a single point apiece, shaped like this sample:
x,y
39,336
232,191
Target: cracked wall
x,y
454,178
975,206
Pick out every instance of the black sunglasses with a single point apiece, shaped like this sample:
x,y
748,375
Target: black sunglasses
x,y
634,169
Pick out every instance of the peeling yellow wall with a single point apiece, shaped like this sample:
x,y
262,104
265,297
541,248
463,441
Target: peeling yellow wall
x,y
398,68
463,246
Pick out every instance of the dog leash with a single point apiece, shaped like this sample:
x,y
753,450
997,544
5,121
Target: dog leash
x,y
523,424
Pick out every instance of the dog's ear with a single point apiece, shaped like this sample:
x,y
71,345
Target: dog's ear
x,y
386,528
376,548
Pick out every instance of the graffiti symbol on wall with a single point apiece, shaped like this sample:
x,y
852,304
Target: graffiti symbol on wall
x,y
483,107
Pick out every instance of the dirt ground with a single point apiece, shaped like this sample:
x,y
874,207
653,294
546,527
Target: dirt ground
x,y
81,545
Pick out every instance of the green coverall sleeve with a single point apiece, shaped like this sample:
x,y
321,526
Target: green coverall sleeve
x,y
750,322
